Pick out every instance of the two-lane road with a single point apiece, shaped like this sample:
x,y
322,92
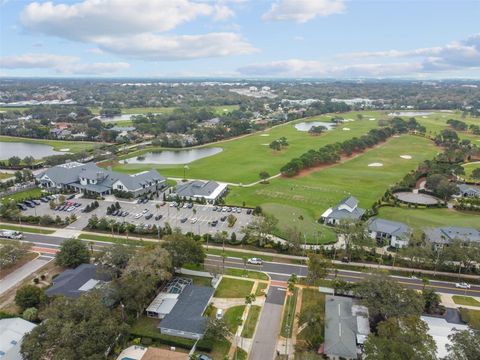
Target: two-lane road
x,y
278,271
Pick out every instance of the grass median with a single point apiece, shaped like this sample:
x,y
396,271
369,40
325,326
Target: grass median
x,y
26,229
251,322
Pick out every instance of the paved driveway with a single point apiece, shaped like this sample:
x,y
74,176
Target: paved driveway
x,y
22,272
265,341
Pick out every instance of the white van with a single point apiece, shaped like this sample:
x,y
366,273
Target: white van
x,y
219,314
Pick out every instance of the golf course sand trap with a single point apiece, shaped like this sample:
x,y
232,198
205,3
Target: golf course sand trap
x,y
346,129
408,157
375,164
64,150
265,144
372,119
265,135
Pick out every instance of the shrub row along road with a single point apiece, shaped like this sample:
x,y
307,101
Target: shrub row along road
x,y
278,271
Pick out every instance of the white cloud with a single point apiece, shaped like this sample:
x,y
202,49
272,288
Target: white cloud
x,y
305,68
134,28
60,63
89,19
157,47
302,11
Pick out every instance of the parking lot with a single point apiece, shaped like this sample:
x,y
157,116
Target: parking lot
x,y
199,219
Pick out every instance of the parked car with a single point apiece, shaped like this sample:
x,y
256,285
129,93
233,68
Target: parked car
x,y
149,216
219,314
462,285
193,221
36,202
29,204
158,217
249,211
125,214
138,216
255,261
144,201
214,223
139,201
173,204
43,199
184,220
144,211
345,259
21,207
229,209
223,218
190,205
239,210
204,357
70,197
214,208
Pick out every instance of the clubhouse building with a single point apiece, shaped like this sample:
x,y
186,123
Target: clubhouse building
x,y
346,210
211,191
93,180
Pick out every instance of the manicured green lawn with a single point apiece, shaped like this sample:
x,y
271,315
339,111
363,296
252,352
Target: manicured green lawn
x,y
289,314
469,167
313,306
249,274
471,317
437,122
243,159
26,229
465,300
299,202
233,288
5,175
421,218
251,322
73,146
233,317
261,287
110,239
24,195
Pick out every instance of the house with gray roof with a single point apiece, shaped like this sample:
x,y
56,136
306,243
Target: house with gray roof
x,y
12,331
93,180
442,236
395,233
72,283
466,190
346,210
208,190
186,318
346,328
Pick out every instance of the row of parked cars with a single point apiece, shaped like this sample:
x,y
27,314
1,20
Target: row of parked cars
x,y
68,206
230,209
32,203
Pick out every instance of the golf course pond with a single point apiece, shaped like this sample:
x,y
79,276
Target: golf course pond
x,y
306,126
173,157
23,149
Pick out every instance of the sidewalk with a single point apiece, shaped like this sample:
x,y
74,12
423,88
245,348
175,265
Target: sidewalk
x,y
447,301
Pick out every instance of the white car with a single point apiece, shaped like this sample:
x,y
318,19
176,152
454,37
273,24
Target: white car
x,y
144,211
255,261
138,216
173,204
193,221
462,285
185,205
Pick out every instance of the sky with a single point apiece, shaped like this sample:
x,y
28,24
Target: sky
x,y
430,39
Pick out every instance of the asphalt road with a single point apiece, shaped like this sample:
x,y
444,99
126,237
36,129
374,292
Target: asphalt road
x,y
265,340
281,271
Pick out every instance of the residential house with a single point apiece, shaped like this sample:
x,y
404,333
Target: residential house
x,y
136,352
396,234
12,331
468,190
442,236
439,329
182,316
90,179
209,190
346,210
72,283
346,328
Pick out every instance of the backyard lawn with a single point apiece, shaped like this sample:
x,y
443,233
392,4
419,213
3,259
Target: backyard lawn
x,y
233,288
465,300
251,322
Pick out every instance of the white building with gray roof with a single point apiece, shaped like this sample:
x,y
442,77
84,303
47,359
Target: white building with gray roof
x,y
395,233
442,236
346,210
12,331
90,179
466,190
208,190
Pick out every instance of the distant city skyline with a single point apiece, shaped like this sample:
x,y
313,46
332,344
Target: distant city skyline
x,y
240,38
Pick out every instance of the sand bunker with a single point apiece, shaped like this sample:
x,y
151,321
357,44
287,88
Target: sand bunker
x,y
375,164
64,150
265,135
265,144
372,119
406,157
425,117
346,129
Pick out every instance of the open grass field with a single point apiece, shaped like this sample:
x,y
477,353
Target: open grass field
x,y
469,167
74,146
437,122
233,288
421,218
24,195
465,300
299,202
242,159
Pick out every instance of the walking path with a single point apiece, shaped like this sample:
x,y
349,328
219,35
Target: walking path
x,y
21,273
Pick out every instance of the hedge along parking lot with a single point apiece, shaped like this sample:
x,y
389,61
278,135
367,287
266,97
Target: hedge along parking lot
x,y
203,214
